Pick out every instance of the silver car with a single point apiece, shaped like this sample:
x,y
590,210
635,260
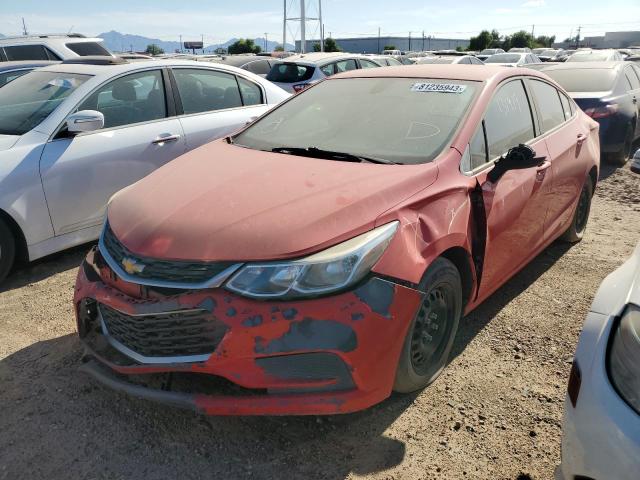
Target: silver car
x,y
73,134
298,72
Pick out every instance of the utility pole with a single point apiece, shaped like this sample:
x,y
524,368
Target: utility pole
x,y
303,19
180,43
284,28
24,27
578,37
265,42
533,29
303,24
202,38
422,40
379,51
320,23
409,41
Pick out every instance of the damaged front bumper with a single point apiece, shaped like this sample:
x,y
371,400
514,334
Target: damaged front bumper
x,y
221,354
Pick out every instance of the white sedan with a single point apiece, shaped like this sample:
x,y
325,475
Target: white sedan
x,y
73,134
601,426
513,59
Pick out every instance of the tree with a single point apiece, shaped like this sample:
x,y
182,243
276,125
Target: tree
x,y
521,39
154,49
544,41
482,41
390,47
459,49
495,38
279,48
330,45
244,45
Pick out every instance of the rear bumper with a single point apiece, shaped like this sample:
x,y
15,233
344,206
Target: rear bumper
x,y
328,355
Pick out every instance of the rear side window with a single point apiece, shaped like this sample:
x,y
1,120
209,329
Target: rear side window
x,y
134,98
26,52
549,106
84,49
206,90
290,73
346,65
508,121
369,64
251,93
261,67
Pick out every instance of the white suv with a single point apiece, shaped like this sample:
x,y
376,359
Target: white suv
x,y
50,47
73,134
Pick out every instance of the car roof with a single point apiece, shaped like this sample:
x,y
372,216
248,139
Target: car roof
x,y
43,38
4,66
318,57
614,64
239,60
440,71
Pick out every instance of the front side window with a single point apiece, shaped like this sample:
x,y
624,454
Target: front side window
x,y
28,100
206,90
26,52
85,49
346,65
508,120
134,98
401,120
549,105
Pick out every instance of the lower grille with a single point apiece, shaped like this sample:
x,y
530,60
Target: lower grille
x,y
187,333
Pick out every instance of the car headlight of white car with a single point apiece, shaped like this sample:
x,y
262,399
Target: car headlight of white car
x,y
624,357
333,269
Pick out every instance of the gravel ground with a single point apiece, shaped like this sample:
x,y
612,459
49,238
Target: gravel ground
x,y
494,414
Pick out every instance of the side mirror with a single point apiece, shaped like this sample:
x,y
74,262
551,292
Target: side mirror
x,y
517,158
85,121
635,162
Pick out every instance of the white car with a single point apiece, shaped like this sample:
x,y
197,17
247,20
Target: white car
x,y
595,56
50,47
510,59
73,134
601,425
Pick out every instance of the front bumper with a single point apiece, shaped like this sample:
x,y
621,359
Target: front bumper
x,y
601,435
329,355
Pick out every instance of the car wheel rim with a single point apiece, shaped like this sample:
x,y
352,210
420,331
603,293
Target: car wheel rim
x,y
582,212
431,329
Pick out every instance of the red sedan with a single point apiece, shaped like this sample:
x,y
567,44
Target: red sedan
x,y
322,257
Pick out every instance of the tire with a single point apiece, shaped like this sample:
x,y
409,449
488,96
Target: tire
x,y
620,157
7,250
426,349
578,225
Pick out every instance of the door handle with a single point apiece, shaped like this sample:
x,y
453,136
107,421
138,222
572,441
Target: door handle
x,y
541,170
162,139
581,138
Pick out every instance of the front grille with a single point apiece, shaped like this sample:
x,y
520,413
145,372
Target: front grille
x,y
171,334
169,271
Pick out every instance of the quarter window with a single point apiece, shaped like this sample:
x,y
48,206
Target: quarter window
x,y
508,121
134,98
478,149
549,106
566,106
251,93
207,90
328,70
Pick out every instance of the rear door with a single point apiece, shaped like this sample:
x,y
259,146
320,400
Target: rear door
x,y
633,76
214,103
80,173
516,204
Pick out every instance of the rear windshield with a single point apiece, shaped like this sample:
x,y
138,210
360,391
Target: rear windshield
x,y
589,57
403,120
584,80
28,100
503,58
436,60
290,73
85,49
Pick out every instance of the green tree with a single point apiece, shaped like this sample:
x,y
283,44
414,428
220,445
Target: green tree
x,y
521,39
482,41
495,38
390,47
279,48
459,49
154,49
544,41
330,45
244,45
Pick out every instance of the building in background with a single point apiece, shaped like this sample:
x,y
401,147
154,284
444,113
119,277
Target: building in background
x,y
608,40
377,44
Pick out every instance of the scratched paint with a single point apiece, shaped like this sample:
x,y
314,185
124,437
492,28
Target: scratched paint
x,y
378,294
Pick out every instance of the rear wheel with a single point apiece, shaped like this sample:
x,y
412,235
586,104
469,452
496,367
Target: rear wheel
x,y
578,225
7,250
620,157
430,337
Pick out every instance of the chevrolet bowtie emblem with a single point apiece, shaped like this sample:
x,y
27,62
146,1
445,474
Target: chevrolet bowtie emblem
x,y
131,266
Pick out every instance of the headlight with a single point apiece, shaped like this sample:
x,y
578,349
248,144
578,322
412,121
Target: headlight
x,y
624,357
333,269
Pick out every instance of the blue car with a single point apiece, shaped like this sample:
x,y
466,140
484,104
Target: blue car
x,y
609,92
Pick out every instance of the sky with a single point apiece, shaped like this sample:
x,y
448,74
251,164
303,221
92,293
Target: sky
x,y
219,20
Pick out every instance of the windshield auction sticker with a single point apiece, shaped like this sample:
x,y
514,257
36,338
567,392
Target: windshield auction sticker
x,y
438,87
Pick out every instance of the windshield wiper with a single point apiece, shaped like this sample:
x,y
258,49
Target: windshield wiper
x,y
330,155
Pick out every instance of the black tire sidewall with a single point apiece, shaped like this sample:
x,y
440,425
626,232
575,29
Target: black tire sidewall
x,y
407,379
7,250
572,234
620,158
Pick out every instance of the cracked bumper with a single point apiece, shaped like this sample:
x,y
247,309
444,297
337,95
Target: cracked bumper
x,y
336,354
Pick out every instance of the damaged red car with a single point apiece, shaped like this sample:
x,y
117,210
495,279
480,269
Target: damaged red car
x,y
322,257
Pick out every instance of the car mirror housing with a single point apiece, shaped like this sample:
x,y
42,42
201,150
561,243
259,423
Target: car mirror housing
x,y
517,158
85,121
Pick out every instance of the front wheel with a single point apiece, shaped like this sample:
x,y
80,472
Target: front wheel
x,y
578,225
430,337
7,250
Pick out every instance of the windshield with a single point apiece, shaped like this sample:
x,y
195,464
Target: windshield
x,y
28,100
503,58
290,73
400,120
584,80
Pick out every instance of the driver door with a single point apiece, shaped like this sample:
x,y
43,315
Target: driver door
x,y
80,173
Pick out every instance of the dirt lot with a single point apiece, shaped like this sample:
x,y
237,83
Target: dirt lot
x,y
495,413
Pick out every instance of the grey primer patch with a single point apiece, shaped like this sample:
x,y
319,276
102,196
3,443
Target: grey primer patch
x,y
274,309
289,313
231,312
378,294
209,304
357,316
253,321
311,334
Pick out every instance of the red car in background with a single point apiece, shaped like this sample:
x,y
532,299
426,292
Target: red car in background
x,y
322,257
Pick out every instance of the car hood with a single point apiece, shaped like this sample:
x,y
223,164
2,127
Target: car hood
x,y
8,141
225,202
